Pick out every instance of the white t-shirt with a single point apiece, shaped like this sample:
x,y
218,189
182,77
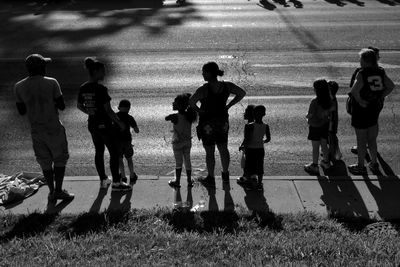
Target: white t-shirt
x,y
38,93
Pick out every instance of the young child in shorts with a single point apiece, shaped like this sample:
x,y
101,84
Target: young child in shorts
x,y
182,138
125,141
253,146
318,118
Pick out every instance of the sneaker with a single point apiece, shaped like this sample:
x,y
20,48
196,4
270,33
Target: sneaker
x,y
357,170
311,168
174,184
64,195
354,150
133,178
325,164
105,183
208,181
117,187
374,167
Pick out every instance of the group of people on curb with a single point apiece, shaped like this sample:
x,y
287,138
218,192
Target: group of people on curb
x,y
40,97
369,86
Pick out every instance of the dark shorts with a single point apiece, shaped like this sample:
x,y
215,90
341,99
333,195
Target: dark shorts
x,y
125,149
363,118
318,133
213,132
254,162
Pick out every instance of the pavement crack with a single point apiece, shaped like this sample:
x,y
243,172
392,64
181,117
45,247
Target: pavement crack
x,y
298,194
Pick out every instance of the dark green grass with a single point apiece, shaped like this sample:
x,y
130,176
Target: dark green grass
x,y
165,237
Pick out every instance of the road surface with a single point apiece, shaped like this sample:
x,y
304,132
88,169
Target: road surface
x,y
155,52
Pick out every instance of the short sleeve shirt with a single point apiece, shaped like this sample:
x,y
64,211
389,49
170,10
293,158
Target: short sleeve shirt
x,y
130,122
214,104
38,93
318,116
93,97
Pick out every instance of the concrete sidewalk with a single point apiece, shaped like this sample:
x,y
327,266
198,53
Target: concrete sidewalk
x,y
367,197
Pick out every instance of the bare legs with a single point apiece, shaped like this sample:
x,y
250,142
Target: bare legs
x,y
210,158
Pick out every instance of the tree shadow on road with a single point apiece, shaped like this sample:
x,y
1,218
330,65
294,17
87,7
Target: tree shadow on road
x,y
343,3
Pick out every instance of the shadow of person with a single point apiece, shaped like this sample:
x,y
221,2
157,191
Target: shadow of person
x,y
281,2
98,201
54,208
229,205
178,204
340,195
117,205
212,202
255,201
386,195
267,5
385,167
296,3
28,226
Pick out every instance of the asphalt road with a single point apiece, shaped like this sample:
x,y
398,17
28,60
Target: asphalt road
x,y
152,53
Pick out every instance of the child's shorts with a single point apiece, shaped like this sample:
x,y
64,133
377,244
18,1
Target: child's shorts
x,y
254,162
318,133
126,149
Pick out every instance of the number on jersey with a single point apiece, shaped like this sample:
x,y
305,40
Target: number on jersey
x,y
375,83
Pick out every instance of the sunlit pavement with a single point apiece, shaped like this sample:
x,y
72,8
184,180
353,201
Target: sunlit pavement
x,y
361,197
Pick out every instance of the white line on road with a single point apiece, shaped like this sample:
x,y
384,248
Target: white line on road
x,y
322,64
273,97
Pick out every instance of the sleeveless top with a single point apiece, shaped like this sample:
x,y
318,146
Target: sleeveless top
x,y
257,136
214,104
373,80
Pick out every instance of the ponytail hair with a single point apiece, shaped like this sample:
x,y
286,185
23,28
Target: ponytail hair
x,y
182,102
93,65
212,68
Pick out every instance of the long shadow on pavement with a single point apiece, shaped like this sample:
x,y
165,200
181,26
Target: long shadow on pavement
x,y
340,194
28,226
387,192
95,208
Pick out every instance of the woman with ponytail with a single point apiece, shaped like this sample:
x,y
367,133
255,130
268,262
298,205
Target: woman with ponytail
x,y
214,118
94,100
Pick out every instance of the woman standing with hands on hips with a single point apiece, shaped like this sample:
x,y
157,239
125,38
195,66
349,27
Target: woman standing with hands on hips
x,y
94,100
213,113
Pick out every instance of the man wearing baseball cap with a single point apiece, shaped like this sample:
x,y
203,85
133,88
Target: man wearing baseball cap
x,y
40,98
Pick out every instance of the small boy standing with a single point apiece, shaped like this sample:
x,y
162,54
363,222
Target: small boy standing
x,y
253,146
125,141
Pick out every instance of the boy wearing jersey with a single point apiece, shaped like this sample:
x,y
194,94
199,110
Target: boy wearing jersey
x,y
369,90
40,98
253,145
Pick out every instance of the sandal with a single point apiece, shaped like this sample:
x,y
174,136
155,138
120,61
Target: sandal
x,y
174,184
